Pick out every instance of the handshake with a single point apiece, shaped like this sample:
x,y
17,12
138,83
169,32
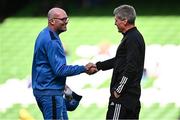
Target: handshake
x,y
91,68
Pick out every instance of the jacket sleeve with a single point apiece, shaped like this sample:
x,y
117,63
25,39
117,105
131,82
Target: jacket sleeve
x,y
105,65
131,68
57,60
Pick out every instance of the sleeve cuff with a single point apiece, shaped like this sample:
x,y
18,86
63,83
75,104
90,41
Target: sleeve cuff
x,y
83,68
98,65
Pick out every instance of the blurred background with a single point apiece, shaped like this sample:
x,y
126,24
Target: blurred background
x,y
91,37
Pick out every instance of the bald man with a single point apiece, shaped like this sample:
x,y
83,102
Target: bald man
x,y
49,68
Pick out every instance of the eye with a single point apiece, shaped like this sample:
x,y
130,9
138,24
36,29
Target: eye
x,y
65,19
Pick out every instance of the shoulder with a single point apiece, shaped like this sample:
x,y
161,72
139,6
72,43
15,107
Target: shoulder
x,y
44,34
47,38
134,36
47,34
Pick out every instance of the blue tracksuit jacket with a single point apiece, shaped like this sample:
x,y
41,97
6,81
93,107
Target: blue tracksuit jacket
x,y
49,69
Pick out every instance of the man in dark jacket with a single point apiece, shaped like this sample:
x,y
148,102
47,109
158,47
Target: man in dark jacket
x,y
127,65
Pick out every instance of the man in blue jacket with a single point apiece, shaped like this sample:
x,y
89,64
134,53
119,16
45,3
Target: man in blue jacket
x,y
49,69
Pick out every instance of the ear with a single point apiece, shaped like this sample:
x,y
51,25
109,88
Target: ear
x,y
52,21
125,21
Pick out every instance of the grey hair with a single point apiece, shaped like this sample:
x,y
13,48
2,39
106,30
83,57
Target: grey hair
x,y
125,12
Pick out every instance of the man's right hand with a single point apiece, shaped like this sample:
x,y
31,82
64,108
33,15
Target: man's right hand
x,y
91,68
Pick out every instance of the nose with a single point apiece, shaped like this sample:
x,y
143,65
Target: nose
x,y
66,22
115,23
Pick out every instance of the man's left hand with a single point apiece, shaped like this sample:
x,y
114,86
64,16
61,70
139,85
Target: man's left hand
x,y
116,95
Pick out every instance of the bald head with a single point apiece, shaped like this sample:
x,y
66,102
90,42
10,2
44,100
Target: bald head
x,y
56,12
57,20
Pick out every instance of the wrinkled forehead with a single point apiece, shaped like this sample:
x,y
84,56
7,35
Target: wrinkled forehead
x,y
116,17
60,13
57,12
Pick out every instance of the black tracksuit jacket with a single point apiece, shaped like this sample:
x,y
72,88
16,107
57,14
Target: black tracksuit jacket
x,y
127,65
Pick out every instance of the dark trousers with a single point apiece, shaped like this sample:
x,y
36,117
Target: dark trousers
x,y
119,111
